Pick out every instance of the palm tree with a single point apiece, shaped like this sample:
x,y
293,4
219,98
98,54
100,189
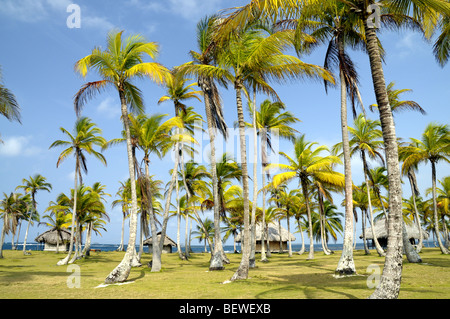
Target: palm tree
x,y
396,15
249,58
336,26
118,65
271,120
288,204
11,207
32,186
86,135
443,203
206,57
124,201
307,164
58,220
9,107
365,140
433,147
398,105
154,137
205,231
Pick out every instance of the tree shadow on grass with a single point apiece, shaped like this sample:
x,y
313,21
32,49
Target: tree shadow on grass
x,y
310,286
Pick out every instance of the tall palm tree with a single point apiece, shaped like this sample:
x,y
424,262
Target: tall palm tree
x,y
365,140
433,147
117,65
271,121
9,106
335,26
307,164
33,185
395,13
86,135
178,92
206,57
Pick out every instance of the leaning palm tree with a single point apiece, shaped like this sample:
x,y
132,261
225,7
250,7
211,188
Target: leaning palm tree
x,y
85,137
118,65
433,147
9,107
306,164
33,185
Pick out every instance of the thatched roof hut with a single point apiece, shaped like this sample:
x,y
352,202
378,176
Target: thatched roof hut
x,y
51,238
274,237
168,243
381,231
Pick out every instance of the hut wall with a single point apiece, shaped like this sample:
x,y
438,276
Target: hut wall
x,y
62,247
167,249
274,246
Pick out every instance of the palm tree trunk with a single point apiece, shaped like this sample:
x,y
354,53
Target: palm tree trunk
x,y
177,191
322,223
263,184
122,271
216,262
412,183
120,248
28,227
289,235
65,261
435,213
242,271
2,239
369,204
363,226
300,229
308,209
346,265
391,278
252,261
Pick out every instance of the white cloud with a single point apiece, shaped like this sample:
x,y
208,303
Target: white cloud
x,y
18,146
187,9
98,23
37,10
109,108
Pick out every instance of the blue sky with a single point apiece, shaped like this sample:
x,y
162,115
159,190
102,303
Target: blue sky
x,y
39,53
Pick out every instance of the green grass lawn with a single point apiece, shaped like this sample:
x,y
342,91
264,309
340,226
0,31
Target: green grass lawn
x,y
283,277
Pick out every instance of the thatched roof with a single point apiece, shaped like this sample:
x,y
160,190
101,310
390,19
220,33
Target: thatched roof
x,y
167,240
51,236
274,234
381,230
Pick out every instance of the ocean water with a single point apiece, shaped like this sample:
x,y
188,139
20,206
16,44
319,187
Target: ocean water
x,y
196,248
